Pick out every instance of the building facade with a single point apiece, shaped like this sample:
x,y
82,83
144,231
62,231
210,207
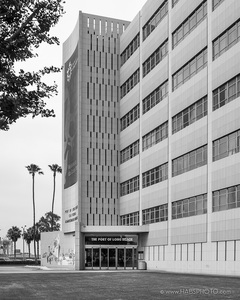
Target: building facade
x,y
152,138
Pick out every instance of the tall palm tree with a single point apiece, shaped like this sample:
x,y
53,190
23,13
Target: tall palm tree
x,y
55,169
14,234
34,169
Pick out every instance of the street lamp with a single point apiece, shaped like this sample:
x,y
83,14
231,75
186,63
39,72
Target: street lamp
x,y
23,228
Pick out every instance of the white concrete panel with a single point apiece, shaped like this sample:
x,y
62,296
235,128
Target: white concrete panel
x,y
188,93
129,203
129,135
195,42
224,16
226,172
129,101
154,195
130,33
155,156
225,66
155,39
189,184
129,169
149,9
155,116
182,10
226,119
189,138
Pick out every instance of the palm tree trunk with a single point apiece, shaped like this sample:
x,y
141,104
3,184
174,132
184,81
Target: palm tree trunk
x,y
29,250
34,234
14,243
54,185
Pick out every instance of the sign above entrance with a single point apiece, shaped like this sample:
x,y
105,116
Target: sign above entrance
x,y
112,240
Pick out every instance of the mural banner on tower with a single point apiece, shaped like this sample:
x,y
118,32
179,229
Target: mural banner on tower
x,y
70,120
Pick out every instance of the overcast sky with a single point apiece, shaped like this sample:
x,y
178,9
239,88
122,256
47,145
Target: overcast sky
x,y
38,140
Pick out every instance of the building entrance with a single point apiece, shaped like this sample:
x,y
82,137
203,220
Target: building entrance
x,y
111,258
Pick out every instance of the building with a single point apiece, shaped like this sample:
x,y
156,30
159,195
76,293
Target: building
x,y
152,138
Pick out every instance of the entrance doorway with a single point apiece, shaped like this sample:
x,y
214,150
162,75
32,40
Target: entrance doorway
x,y
111,258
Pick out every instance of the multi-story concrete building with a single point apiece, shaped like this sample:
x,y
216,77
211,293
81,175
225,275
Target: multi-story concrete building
x,y
152,138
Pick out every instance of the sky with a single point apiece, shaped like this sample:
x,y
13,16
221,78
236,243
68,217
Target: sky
x,y
39,140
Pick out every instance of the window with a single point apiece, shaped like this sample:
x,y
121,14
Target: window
x,y
189,161
226,146
155,214
155,58
131,48
189,115
155,97
226,40
129,152
130,83
130,219
189,24
193,206
129,118
227,198
216,3
153,22
155,136
226,92
129,186
155,175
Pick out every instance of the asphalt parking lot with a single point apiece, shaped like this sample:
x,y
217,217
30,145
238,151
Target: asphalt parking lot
x,y
29,283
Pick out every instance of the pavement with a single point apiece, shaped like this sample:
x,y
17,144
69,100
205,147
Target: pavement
x,y
34,282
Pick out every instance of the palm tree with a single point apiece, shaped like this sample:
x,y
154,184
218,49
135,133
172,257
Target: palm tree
x,y
28,237
55,169
34,169
37,237
45,222
14,234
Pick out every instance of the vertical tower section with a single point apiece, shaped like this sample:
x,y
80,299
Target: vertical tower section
x,y
96,115
71,97
99,190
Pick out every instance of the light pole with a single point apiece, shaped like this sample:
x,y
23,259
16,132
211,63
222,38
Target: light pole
x,y
23,228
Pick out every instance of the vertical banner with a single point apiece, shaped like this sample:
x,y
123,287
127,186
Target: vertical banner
x,y
71,120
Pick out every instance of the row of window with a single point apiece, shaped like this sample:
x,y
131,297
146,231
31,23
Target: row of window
x,y
129,186
216,3
129,152
221,96
155,97
190,24
227,198
224,199
227,145
190,115
226,92
155,136
130,83
155,175
154,21
189,161
155,214
130,219
131,48
190,69
129,118
226,40
222,147
189,207
155,58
